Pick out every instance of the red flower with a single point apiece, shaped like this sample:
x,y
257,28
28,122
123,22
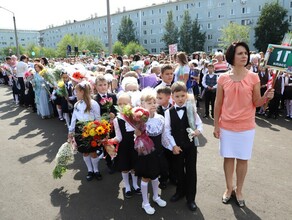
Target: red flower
x,y
93,144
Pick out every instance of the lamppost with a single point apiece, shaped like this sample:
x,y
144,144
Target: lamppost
x,y
109,31
15,31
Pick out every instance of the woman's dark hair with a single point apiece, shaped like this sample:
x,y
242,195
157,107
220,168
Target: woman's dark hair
x,y
230,53
120,59
23,57
45,60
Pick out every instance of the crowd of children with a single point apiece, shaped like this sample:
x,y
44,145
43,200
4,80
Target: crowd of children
x,y
162,86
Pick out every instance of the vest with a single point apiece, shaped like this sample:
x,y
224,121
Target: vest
x,y
178,129
211,81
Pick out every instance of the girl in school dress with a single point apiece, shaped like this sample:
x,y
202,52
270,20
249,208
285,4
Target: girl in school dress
x,y
127,156
150,166
85,109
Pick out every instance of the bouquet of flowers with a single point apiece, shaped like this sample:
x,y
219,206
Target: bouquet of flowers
x,y
106,103
62,90
191,110
64,157
137,117
48,77
94,133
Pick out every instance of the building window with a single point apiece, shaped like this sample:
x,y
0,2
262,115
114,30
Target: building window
x,y
11,38
209,14
260,7
210,36
220,4
209,49
153,50
219,40
231,12
291,4
144,22
209,26
152,12
176,8
145,41
290,19
160,10
153,22
160,20
145,32
153,41
220,16
143,13
161,49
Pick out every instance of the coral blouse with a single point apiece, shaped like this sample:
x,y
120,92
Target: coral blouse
x,y
238,110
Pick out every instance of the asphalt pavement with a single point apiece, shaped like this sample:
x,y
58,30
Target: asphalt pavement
x,y
28,191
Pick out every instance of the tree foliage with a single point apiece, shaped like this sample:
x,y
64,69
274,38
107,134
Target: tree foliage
x,y
133,48
170,35
234,32
118,48
85,43
127,31
185,33
271,26
198,38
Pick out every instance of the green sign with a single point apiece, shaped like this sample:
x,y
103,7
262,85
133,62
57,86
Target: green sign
x,y
279,57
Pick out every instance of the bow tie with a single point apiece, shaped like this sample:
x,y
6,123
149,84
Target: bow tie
x,y
103,96
180,108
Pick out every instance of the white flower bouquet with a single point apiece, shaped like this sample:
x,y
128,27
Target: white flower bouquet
x,y
64,157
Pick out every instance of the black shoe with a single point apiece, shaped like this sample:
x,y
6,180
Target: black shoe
x,y
162,185
136,191
176,197
89,176
98,176
206,116
128,194
192,206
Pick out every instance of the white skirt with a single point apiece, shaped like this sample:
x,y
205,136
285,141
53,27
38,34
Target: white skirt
x,y
236,144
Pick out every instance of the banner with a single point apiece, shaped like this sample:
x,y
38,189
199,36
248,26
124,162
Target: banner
x,y
172,49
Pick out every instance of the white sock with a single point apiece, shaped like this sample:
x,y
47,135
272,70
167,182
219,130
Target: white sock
x,y
126,181
59,112
88,163
67,119
144,190
155,188
16,98
94,162
135,181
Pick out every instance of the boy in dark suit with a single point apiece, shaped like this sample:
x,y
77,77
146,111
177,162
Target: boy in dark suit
x,y
108,110
177,140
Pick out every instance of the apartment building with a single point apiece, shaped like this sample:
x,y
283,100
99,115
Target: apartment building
x,y
149,22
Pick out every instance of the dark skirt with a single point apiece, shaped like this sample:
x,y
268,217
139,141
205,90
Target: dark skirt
x,y
151,165
287,92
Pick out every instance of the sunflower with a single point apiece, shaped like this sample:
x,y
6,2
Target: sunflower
x,y
100,130
85,134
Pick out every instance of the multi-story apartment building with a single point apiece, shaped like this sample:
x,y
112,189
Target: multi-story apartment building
x,y
149,22
25,37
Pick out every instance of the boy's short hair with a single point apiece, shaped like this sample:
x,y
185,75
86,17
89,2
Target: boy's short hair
x,y
166,67
100,78
210,65
178,86
164,90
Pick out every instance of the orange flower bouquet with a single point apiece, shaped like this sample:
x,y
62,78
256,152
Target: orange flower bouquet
x,y
95,134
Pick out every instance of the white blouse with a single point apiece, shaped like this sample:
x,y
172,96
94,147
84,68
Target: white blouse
x,y
155,125
80,114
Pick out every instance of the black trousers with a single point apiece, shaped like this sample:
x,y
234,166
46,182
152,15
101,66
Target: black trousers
x,y
22,90
274,105
186,170
210,96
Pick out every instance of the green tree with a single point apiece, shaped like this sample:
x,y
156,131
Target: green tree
x,y
133,48
93,44
185,34
234,32
170,35
62,45
198,38
118,48
127,31
271,26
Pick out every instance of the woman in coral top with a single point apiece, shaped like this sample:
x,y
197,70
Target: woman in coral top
x,y
238,95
